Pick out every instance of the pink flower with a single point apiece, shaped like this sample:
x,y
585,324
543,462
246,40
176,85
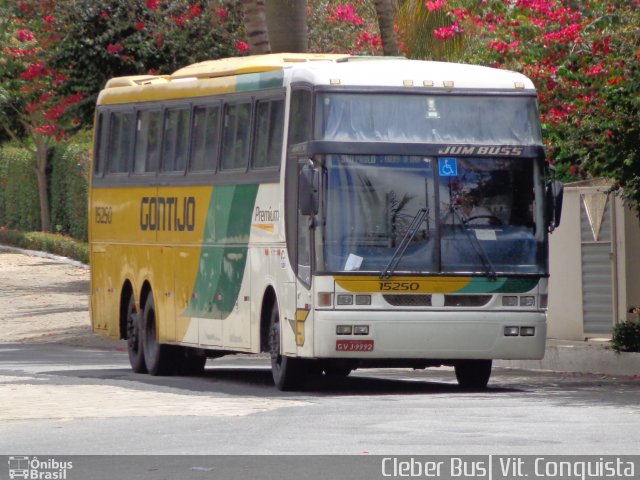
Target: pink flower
x,y
433,6
25,35
347,13
446,33
115,49
139,26
221,13
242,46
104,15
49,19
33,71
153,4
47,130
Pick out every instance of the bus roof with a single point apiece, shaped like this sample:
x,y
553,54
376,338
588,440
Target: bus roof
x,y
268,71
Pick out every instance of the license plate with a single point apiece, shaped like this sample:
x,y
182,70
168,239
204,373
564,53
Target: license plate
x,y
354,345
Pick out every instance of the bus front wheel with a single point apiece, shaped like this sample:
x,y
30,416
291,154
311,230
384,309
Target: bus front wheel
x,y
473,374
158,357
286,371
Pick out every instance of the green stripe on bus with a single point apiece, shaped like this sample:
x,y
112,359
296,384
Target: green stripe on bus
x,y
224,253
500,285
260,81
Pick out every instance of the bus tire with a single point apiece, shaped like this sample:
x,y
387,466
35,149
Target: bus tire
x,y
473,374
158,358
134,338
287,372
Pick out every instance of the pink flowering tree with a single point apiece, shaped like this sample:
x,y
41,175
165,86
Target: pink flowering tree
x,y
109,38
35,108
584,58
344,27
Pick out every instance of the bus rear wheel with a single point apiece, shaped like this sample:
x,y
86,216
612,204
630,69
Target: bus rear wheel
x,y
158,358
134,338
473,374
287,372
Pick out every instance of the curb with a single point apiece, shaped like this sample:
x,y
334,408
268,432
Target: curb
x,y
51,256
580,357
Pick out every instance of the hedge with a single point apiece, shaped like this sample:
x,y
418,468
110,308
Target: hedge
x,y
46,242
68,186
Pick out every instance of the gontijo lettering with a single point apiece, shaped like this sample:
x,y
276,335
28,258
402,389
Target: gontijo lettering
x,y
168,213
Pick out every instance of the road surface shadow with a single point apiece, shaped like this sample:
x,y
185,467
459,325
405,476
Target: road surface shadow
x,y
251,381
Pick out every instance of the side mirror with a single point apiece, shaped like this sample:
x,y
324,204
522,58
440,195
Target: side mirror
x,y
308,190
555,192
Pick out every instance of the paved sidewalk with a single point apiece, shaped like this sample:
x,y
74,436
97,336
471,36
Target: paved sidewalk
x,y
582,357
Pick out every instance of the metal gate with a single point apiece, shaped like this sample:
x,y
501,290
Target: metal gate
x,y
597,227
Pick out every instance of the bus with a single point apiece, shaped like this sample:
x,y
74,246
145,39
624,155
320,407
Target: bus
x,y
319,209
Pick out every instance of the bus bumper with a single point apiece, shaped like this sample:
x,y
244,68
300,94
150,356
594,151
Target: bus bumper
x,y
431,335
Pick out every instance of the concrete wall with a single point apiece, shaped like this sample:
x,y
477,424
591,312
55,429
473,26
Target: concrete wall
x,y
565,284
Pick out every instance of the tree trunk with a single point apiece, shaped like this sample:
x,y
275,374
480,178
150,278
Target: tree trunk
x,y
42,150
287,23
386,14
256,26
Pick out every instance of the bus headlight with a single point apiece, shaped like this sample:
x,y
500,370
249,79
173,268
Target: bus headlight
x,y
344,329
509,301
528,301
527,331
511,331
343,299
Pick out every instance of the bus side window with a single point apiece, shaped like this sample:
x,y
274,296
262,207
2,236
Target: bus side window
x,y
269,130
235,136
206,133
148,134
300,116
175,146
120,141
102,138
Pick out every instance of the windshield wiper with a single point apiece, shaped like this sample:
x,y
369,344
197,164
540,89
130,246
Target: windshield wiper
x,y
404,243
490,271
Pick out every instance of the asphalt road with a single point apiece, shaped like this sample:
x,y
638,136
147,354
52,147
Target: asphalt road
x,y
64,400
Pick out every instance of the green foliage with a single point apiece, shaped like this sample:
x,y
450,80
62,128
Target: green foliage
x,y
418,26
626,336
69,187
110,38
46,242
343,27
19,206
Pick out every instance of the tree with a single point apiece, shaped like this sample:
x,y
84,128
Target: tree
x,y
110,38
35,111
336,27
583,58
55,56
287,25
385,13
255,22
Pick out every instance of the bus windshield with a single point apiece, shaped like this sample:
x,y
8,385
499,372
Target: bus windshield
x,y
486,219
436,119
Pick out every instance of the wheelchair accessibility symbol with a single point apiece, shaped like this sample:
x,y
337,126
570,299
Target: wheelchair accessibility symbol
x,y
448,167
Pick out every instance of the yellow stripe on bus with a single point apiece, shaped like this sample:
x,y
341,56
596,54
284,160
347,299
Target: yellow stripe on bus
x,y
402,284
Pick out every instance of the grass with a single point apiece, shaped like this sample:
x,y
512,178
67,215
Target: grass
x,y
56,244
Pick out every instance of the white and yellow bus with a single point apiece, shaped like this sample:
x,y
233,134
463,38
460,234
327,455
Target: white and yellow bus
x,y
336,212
